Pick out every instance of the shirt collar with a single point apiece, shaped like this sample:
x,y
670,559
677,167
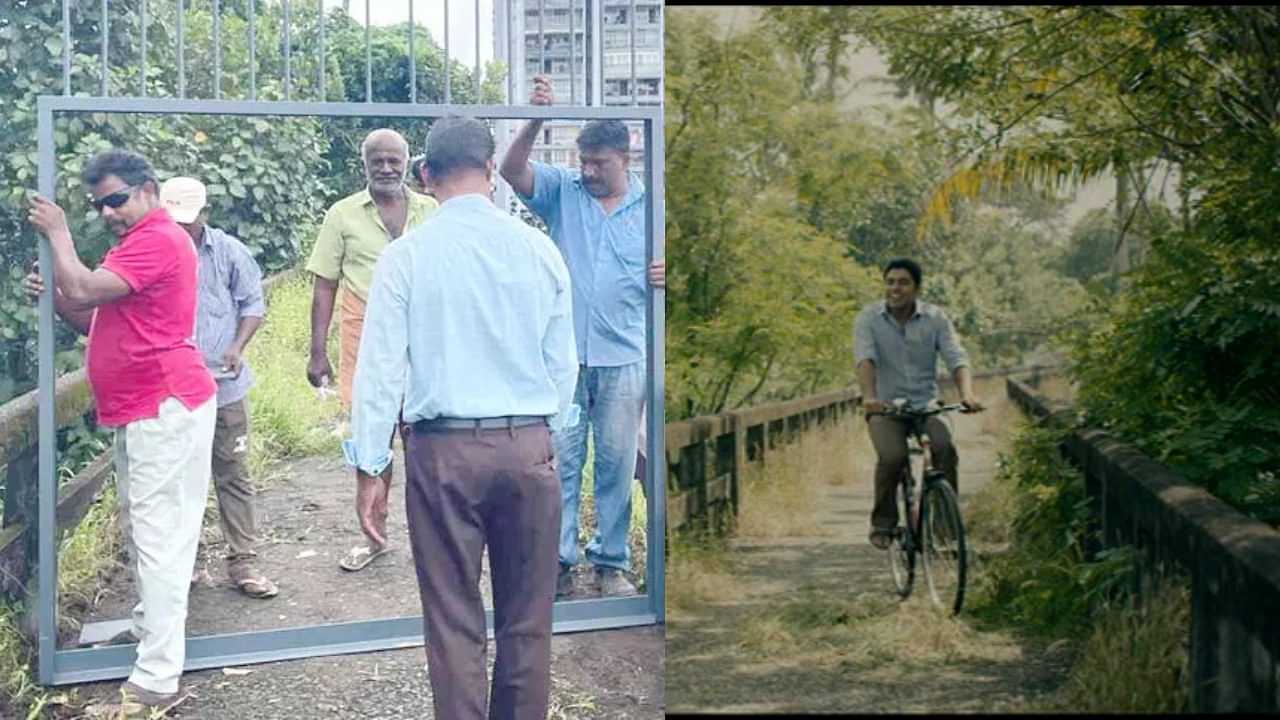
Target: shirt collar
x,y
468,201
150,220
635,189
416,200
920,309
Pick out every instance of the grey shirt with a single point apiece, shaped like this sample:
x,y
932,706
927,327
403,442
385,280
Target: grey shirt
x,y
230,289
906,356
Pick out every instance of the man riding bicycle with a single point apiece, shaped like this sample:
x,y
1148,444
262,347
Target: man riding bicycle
x,y
896,342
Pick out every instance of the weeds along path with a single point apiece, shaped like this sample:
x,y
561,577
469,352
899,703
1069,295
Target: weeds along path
x,y
797,613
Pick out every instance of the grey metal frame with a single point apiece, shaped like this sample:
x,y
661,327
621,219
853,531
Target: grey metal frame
x,y
59,667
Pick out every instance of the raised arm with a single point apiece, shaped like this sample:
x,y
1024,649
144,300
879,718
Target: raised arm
x,y
516,169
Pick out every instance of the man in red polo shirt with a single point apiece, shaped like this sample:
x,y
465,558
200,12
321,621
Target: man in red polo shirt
x,y
151,384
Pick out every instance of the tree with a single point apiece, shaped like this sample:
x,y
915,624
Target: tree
x,y
1182,360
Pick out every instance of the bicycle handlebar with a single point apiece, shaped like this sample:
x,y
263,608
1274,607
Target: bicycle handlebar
x,y
906,412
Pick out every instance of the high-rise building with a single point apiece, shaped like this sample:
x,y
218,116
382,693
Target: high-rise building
x,y
595,52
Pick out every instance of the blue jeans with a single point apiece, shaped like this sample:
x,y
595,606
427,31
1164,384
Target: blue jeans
x,y
611,399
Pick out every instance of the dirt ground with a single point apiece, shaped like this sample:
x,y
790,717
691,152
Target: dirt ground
x,y
811,622
306,523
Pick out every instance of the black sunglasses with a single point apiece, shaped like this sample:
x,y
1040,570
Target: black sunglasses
x,y
114,200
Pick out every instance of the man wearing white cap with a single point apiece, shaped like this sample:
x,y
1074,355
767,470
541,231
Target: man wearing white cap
x,y
229,310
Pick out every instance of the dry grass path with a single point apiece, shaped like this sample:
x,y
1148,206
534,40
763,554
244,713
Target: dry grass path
x,y
799,615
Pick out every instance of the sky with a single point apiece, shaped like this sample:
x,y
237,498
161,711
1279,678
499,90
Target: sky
x,y
430,14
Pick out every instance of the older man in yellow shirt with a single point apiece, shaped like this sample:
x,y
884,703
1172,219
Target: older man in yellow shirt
x,y
355,232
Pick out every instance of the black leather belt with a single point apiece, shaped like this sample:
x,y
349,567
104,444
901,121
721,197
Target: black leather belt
x,y
493,423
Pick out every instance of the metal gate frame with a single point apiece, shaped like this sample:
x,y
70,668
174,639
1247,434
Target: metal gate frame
x,y
60,667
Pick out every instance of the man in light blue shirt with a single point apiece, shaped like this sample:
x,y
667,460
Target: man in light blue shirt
x,y
896,344
470,321
596,216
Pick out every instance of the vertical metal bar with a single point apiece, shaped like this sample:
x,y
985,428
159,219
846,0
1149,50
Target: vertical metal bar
x,y
656,467
46,559
182,53
634,96
217,49
511,51
413,62
106,49
477,38
66,50
323,57
368,57
448,67
288,70
573,60
143,83
542,42
597,52
253,52
662,53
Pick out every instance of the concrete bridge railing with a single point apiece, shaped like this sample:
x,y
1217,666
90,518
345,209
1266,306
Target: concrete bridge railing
x,y
1232,560
706,455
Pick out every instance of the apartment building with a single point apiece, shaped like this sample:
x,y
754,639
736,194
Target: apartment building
x,y
595,52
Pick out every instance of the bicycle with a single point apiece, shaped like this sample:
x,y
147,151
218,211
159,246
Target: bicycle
x,y
935,530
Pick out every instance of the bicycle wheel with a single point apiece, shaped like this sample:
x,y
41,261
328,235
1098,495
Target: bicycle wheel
x,y
902,558
943,545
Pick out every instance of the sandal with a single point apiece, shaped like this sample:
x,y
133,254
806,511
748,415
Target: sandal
x,y
258,588
250,582
358,558
881,539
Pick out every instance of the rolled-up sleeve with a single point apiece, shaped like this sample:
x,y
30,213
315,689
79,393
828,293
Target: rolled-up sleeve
x,y
246,283
381,366
864,339
559,350
547,180
949,344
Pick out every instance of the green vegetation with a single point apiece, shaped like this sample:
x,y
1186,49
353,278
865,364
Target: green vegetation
x,y
282,426
1130,655
783,206
1180,361
269,178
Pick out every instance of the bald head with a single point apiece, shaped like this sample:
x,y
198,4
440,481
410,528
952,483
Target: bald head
x,y
386,160
384,139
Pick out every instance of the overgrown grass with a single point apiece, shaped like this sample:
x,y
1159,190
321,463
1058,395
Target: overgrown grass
x,y
84,557
699,573
1125,658
779,495
289,418
1136,659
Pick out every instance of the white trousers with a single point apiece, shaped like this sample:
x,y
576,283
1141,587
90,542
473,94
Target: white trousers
x,y
162,479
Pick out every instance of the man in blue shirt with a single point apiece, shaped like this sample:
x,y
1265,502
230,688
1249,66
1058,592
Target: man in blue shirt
x,y
896,343
470,321
596,216
228,312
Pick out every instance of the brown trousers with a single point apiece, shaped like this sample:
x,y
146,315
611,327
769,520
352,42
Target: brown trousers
x,y
889,436
231,479
464,490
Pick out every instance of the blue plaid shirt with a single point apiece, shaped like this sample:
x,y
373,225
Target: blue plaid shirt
x,y
906,356
230,289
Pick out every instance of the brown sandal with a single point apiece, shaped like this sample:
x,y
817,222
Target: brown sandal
x,y
881,539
